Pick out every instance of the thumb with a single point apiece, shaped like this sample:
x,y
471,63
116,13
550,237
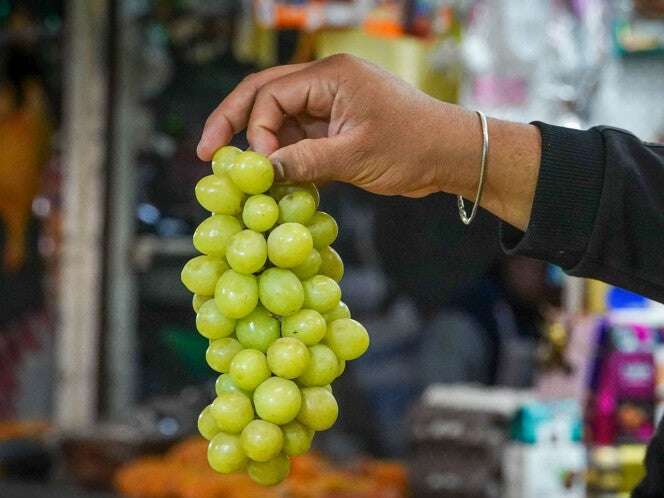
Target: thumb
x,y
311,160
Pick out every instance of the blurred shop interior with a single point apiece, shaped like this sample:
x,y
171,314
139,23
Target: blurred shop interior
x,y
488,375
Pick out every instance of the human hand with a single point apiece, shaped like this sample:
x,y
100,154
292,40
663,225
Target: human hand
x,y
345,119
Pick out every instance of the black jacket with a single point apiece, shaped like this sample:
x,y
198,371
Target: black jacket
x,y
599,213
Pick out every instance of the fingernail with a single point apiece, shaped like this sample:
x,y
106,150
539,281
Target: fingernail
x,y
202,144
278,169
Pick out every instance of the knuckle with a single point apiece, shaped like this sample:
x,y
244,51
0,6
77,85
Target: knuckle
x,y
342,59
265,91
249,80
318,104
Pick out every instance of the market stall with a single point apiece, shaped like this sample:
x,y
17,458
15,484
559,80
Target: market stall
x,y
487,376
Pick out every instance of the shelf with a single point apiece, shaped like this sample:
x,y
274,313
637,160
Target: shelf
x,y
147,247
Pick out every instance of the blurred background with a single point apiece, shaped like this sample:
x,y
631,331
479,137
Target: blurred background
x,y
488,376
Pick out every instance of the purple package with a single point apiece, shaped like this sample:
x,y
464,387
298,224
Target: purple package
x,y
622,409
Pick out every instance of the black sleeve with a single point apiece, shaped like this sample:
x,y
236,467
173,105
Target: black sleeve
x,y
652,485
599,208
599,213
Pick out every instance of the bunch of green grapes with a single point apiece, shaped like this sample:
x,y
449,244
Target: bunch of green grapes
x,y
267,297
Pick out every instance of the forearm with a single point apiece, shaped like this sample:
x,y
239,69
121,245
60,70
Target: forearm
x,y
512,167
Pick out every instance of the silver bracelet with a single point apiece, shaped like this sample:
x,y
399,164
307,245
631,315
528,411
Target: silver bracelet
x,y
485,154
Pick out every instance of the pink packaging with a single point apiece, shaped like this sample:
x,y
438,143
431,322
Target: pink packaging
x,y
621,410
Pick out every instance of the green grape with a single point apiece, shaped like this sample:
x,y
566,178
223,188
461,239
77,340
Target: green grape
x,y
200,274
341,311
307,325
261,440
213,234
328,387
252,172
225,453
249,368
309,267
342,367
331,264
197,301
322,369
347,338
217,193
225,384
224,158
289,244
220,352
321,293
257,330
207,426
236,294
297,207
279,190
232,412
246,251
277,400
319,409
280,291
323,228
288,357
271,472
297,438
211,323
260,212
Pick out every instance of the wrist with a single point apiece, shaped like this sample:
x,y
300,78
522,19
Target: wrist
x,y
515,160
512,165
458,151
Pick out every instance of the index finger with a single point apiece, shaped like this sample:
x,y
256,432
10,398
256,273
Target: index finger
x,y
231,115
310,91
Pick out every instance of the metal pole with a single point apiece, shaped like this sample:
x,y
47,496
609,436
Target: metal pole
x,y
77,347
121,325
